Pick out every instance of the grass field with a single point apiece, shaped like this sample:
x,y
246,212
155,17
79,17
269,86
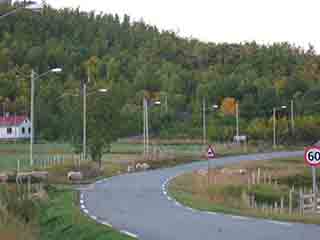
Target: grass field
x,y
225,194
10,153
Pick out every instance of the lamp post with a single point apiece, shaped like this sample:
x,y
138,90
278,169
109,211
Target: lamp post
x,y
274,124
33,78
237,122
146,125
204,120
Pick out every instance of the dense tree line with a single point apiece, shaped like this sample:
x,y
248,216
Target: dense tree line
x,y
137,59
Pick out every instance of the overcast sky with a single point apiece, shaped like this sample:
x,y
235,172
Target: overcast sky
x,y
266,21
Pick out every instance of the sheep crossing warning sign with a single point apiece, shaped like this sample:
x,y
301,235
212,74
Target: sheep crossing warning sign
x,y
210,153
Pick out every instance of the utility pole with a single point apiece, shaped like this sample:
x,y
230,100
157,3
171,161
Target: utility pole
x,y
32,117
144,126
84,145
292,117
147,128
274,128
237,121
204,121
166,103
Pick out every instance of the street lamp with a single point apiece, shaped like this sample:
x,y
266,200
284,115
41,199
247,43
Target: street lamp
x,y
146,125
33,78
204,123
274,123
34,7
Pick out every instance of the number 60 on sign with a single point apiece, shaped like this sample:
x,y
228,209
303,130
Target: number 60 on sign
x,y
312,156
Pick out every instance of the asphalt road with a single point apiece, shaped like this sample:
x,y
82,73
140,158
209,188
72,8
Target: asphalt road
x,y
138,205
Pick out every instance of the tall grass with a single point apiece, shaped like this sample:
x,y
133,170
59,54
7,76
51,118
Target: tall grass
x,y
18,219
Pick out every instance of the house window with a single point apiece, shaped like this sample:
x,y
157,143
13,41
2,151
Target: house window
x,y
29,130
9,131
23,130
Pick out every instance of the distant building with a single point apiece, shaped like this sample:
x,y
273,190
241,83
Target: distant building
x,y
6,2
15,127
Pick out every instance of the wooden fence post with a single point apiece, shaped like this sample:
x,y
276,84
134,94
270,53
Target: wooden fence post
x,y
301,202
258,176
281,205
290,202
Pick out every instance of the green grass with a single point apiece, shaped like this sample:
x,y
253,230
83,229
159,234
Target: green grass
x,y
192,190
204,204
60,218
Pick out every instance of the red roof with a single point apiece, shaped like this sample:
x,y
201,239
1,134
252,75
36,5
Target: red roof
x,y
12,120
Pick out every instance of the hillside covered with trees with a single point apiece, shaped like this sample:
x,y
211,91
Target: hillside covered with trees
x,y
134,59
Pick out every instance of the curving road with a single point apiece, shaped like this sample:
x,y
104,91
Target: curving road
x,y
138,205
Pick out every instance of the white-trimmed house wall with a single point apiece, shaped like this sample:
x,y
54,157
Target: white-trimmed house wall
x,y
17,132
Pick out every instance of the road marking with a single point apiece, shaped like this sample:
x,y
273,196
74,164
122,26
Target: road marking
x,y
86,211
239,218
81,196
81,201
169,198
83,206
106,224
190,209
129,234
94,217
165,193
210,213
280,223
177,204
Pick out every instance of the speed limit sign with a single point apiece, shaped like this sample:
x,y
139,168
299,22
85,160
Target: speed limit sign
x,y
312,156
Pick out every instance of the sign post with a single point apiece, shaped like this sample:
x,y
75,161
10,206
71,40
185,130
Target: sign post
x,y
312,158
210,155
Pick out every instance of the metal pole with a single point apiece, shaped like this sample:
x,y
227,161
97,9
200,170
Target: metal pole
x,y
144,126
204,121
292,117
147,127
237,121
274,128
84,120
314,180
32,117
166,103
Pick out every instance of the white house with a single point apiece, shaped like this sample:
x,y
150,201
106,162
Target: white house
x,y
15,127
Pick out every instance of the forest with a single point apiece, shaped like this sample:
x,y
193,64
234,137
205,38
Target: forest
x,y
135,60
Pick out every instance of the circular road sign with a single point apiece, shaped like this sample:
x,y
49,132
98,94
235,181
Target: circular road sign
x,y
312,156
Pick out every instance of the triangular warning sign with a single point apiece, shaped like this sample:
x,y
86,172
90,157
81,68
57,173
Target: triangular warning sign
x,y
210,152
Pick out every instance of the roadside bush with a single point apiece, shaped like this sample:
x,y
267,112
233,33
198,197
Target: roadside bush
x,y
268,194
229,192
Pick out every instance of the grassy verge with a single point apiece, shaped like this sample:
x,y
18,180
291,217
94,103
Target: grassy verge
x,y
60,218
54,216
228,192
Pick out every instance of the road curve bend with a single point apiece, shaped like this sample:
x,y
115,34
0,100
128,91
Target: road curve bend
x,y
137,204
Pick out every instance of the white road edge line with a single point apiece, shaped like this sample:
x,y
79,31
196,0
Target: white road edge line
x,y
86,211
210,213
280,223
129,234
106,224
240,218
94,217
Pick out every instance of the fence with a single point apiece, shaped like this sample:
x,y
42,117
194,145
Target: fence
x,y
309,203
